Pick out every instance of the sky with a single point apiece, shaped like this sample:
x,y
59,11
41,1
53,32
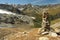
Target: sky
x,y
34,2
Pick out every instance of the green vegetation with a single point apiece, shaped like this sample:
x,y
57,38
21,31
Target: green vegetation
x,y
55,21
38,20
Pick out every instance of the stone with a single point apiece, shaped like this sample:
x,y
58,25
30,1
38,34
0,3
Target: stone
x,y
45,33
43,38
53,34
57,30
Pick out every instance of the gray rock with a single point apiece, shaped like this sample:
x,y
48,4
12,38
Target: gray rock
x,y
53,34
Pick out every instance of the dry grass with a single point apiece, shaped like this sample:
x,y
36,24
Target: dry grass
x,y
16,34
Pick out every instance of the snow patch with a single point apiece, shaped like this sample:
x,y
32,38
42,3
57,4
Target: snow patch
x,y
20,9
6,12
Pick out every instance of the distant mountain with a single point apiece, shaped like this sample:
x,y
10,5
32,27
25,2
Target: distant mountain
x,y
10,8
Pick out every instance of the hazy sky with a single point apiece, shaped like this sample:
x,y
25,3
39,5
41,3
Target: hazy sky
x,y
39,2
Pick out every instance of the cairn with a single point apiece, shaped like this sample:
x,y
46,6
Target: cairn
x,y
45,23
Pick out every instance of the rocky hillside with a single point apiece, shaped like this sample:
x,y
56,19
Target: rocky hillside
x,y
11,16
